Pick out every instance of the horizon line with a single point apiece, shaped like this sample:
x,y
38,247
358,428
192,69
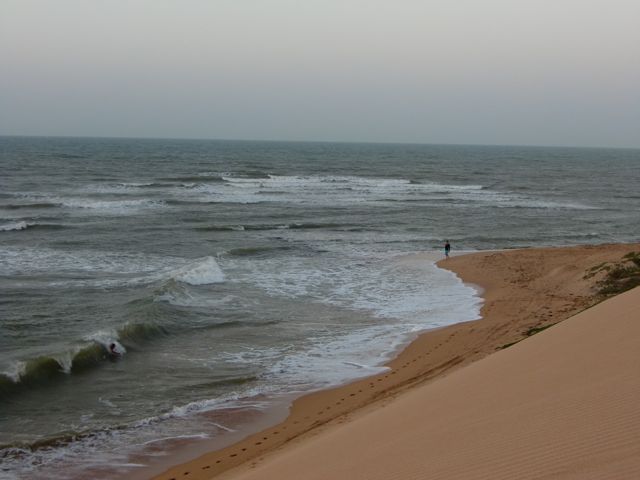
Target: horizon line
x,y
352,142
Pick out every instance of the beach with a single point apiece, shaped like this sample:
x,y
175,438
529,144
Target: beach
x,y
238,236
501,397
237,278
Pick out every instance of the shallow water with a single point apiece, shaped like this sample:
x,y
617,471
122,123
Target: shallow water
x,y
230,273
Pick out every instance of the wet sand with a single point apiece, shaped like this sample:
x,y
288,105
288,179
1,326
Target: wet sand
x,y
457,404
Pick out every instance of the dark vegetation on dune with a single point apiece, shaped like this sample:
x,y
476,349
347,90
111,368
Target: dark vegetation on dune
x,y
614,278
617,277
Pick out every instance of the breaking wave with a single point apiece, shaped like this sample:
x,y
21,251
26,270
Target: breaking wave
x,y
103,206
200,272
280,226
8,227
94,350
23,225
111,206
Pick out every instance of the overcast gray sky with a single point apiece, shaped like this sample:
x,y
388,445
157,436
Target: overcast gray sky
x,y
534,72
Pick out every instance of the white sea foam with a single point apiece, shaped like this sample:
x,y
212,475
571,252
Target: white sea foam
x,y
189,298
112,207
15,370
407,293
333,358
247,399
91,204
201,436
200,272
8,227
106,269
382,285
332,189
18,260
320,190
115,188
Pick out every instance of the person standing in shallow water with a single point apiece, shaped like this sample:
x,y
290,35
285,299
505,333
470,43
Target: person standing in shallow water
x,y
447,248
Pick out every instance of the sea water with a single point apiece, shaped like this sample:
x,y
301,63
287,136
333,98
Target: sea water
x,y
228,274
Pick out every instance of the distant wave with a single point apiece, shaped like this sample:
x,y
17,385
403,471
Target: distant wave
x,y
545,205
19,260
247,251
200,272
221,228
280,226
193,178
8,227
515,241
117,206
106,269
34,205
319,189
106,206
23,225
126,187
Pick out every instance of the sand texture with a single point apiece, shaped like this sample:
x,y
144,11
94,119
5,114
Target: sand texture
x,y
455,404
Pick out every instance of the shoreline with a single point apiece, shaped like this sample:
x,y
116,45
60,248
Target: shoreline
x,y
522,289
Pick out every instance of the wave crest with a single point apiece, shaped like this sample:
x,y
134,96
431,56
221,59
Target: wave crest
x,y
8,227
97,349
200,272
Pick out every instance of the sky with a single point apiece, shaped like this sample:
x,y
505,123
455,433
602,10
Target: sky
x,y
519,72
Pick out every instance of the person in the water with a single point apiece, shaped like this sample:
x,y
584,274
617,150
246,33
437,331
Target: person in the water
x,y
447,248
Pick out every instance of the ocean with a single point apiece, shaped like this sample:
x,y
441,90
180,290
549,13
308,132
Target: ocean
x,y
228,275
